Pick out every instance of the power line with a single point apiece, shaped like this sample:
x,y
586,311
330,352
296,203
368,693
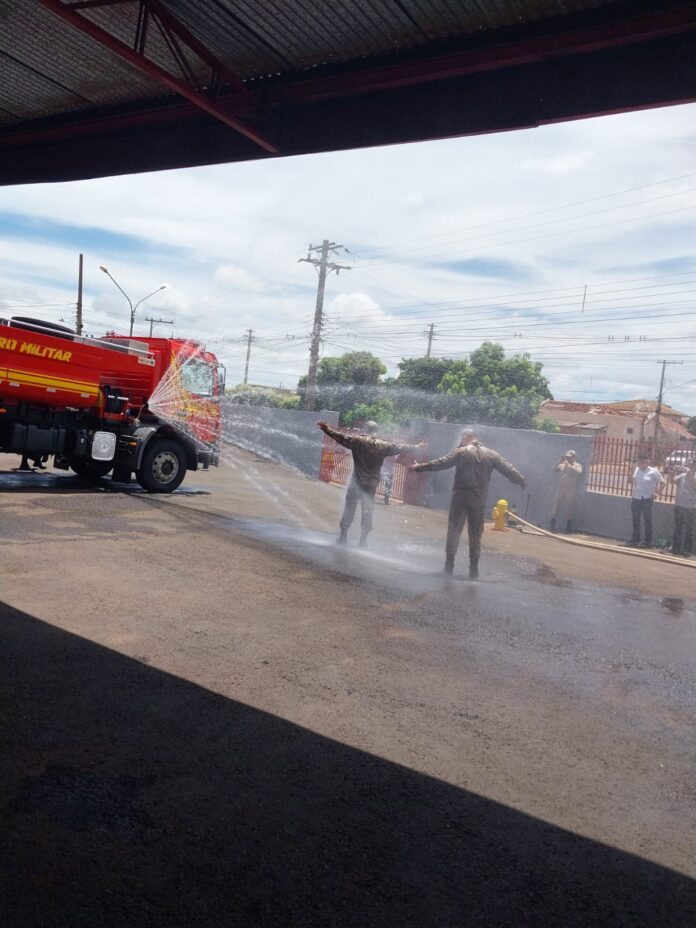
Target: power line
x,y
487,302
537,225
556,234
540,212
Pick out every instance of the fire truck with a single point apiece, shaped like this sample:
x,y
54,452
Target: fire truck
x,y
143,406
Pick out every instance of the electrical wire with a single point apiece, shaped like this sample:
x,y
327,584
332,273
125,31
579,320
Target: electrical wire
x,y
541,212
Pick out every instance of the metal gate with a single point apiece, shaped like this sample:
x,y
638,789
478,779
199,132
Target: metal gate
x,y
406,486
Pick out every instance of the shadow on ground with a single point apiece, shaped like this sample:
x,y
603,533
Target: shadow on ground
x,y
45,481
132,797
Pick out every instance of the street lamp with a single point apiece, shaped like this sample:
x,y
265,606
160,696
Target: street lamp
x,y
132,308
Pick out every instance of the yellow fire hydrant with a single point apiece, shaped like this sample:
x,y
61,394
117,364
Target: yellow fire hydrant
x,y
500,511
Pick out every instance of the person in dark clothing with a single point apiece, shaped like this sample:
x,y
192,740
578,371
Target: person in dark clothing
x,y
369,453
38,462
647,483
473,464
685,511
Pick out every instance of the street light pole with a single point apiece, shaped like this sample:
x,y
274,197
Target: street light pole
x,y
132,308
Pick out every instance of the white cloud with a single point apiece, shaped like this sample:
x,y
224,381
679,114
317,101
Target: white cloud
x,y
227,239
237,277
567,163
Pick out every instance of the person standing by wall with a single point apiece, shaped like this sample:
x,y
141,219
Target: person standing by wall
x,y
369,453
474,465
647,481
569,471
685,511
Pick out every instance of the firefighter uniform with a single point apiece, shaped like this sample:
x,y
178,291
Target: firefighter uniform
x,y
368,453
474,465
569,471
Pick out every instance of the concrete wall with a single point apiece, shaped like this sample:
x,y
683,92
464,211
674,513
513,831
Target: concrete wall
x,y
610,517
534,454
286,435
292,438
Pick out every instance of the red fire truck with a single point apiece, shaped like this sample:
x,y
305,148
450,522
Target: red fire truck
x,y
143,406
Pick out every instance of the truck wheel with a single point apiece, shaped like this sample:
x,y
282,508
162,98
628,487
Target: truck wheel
x,y
91,470
163,466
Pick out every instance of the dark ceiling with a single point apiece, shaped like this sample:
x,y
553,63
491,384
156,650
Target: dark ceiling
x,y
97,87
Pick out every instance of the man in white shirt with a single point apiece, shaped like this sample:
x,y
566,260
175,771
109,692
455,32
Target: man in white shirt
x,y
647,481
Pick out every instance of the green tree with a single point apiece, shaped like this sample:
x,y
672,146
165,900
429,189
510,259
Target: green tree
x,y
691,425
346,381
382,409
498,390
423,373
356,367
546,425
245,394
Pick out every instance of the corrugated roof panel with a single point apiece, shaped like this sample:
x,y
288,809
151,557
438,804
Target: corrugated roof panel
x,y
27,93
259,37
121,23
242,46
451,18
64,58
54,68
297,35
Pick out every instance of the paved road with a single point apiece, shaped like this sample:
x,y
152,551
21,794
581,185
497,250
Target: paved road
x,y
212,715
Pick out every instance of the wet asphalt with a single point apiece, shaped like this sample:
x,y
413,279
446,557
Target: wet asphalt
x,y
335,737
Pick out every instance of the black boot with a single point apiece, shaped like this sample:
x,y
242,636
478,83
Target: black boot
x,y
553,525
473,570
449,565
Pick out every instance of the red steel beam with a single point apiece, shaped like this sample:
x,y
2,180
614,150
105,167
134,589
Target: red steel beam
x,y
626,31
157,73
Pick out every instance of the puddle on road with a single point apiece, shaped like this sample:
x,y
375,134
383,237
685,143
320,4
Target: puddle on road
x,y
546,574
674,604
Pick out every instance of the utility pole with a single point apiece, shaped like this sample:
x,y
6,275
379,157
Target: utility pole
x,y
430,333
154,321
250,332
658,408
78,310
324,267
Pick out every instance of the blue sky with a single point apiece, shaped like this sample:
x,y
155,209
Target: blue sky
x,y
492,237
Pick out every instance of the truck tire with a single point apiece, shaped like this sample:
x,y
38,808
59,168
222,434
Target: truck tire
x,y
91,470
163,466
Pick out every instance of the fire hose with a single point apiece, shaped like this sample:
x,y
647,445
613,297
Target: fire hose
x,y
602,546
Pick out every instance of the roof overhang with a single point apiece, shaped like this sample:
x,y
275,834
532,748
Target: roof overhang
x,y
619,57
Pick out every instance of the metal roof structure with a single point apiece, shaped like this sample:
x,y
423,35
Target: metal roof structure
x,y
98,87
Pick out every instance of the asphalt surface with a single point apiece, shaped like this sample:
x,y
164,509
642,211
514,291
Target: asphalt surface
x,y
212,715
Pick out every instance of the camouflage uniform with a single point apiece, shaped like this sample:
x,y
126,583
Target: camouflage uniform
x,y
473,464
368,453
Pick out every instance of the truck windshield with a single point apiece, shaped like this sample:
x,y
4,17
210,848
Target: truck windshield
x,y
197,377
